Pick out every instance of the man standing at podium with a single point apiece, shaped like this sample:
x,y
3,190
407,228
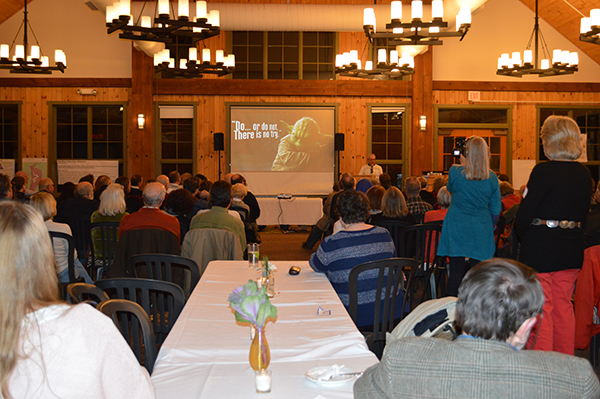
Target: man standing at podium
x,y
371,168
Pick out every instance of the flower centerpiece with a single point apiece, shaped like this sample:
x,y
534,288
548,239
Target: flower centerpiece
x,y
252,305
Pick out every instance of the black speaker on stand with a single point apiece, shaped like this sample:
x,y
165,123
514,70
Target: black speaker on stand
x,y
219,140
338,146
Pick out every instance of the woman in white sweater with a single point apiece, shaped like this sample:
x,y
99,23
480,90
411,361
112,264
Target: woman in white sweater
x,y
49,349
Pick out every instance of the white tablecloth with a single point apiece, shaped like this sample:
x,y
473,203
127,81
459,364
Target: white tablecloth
x,y
296,211
206,353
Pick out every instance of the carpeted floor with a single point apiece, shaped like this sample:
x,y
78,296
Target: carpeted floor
x,y
280,245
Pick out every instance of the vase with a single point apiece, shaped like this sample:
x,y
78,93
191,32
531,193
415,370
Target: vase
x,y
270,283
260,355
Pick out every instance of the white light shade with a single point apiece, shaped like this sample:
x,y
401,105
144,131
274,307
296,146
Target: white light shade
x,y
339,60
422,123
405,59
397,30
369,66
564,57
201,9
437,9
595,16
463,17
125,7
214,18
59,56
396,9
416,9
193,54
146,21
556,56
19,51
165,56
500,62
516,58
369,17
346,58
358,64
45,62
219,56
183,9
163,7
545,63
117,9
434,29
230,61
141,119
35,52
183,63
381,56
206,55
109,14
157,58
172,63
504,60
586,25
573,59
353,56
393,57
4,51
527,57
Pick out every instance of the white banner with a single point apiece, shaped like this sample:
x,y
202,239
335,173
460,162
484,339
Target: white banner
x,y
73,170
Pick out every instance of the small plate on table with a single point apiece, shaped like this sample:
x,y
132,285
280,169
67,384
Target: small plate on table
x,y
345,375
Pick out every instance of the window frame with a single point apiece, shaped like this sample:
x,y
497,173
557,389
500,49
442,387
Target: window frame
x,y
19,158
158,159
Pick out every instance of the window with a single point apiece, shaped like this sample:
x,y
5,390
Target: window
x,y
176,136
9,131
387,139
283,55
90,132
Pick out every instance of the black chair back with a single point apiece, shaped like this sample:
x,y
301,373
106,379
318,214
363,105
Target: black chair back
x,y
394,227
70,250
80,227
133,322
84,292
162,300
160,267
105,236
390,284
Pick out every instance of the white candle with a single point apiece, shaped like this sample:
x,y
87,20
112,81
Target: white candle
x,y
184,9
193,54
4,50
417,9
206,55
219,56
163,7
396,10
146,21
262,379
201,9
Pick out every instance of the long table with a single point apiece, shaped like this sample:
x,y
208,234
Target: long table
x,y
296,211
206,353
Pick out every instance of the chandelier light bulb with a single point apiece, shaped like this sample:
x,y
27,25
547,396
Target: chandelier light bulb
x,y
586,25
516,58
556,56
573,59
171,63
163,7
206,55
595,16
146,21
394,57
358,64
157,58
125,7
434,29
416,9
396,10
346,58
369,66
219,56
353,56
528,57
35,52
397,30
564,57
4,51
381,56
183,9
339,60
60,57
214,18
19,51
109,14
193,54
45,61
437,9
201,10
545,63
183,63
369,17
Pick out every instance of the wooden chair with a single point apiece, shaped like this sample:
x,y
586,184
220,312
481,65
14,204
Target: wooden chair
x,y
133,322
387,310
83,292
162,300
105,237
160,267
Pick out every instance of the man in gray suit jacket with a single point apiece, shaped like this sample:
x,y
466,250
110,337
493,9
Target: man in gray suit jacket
x,y
498,302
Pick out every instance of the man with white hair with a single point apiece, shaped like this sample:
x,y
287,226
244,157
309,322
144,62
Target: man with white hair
x,y
46,184
150,216
164,180
83,205
371,168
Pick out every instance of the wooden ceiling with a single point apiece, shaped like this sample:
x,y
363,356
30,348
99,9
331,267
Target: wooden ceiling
x,y
558,13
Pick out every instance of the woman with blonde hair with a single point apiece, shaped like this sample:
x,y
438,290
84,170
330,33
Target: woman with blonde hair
x,y
45,204
393,207
112,209
49,349
549,222
468,230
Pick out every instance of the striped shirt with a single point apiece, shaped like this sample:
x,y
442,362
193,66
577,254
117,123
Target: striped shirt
x,y
339,253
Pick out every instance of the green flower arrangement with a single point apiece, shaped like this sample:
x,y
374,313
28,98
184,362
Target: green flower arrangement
x,y
252,305
268,267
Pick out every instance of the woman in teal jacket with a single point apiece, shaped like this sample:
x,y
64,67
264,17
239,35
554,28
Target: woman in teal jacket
x,y
468,230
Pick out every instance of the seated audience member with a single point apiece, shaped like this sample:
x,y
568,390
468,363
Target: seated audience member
x,y
438,182
18,189
393,207
164,180
112,209
51,349
444,198
192,185
509,198
375,195
385,180
88,178
150,216
180,204
101,183
23,174
68,191
498,301
324,225
364,185
416,206
503,177
185,176
218,217
83,205
249,199
347,183
356,243
45,204
124,181
174,181
46,184
134,198
6,192
238,193
425,195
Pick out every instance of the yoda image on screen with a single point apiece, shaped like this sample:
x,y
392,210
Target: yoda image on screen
x,y
303,149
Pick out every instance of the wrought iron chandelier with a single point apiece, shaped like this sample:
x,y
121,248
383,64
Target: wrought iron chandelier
x,y
194,67
590,27
30,60
164,28
563,62
417,32
348,64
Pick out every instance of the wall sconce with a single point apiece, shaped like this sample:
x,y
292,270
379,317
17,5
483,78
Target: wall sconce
x,y
141,121
422,123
